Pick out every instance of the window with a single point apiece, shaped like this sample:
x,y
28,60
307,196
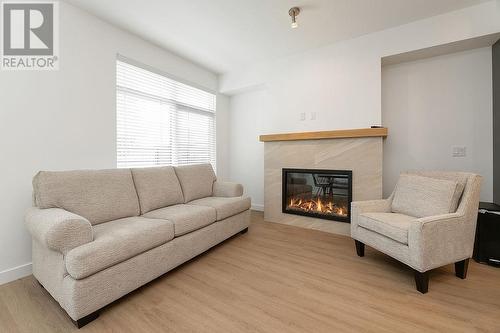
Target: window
x,y
161,121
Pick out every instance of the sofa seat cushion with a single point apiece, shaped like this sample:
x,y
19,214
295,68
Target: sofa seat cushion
x,y
391,225
225,207
117,241
186,218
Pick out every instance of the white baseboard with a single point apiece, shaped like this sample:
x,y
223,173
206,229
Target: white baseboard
x,y
257,207
15,273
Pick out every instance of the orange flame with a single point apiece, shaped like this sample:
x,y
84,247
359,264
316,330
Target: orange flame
x,y
317,205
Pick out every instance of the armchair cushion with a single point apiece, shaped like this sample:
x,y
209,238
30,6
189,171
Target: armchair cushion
x,y
58,229
424,196
392,225
460,177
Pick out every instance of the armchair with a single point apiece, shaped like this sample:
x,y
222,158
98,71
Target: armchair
x,y
422,242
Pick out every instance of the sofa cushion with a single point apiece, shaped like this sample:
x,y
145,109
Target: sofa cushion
x,y
186,218
117,241
97,195
196,181
157,187
392,225
424,196
225,207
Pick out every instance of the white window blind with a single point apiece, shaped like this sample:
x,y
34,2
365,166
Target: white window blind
x,y
161,121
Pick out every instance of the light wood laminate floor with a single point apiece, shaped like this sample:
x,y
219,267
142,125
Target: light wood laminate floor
x,y
279,278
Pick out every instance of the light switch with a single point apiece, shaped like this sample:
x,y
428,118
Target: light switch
x,y
313,115
459,151
302,116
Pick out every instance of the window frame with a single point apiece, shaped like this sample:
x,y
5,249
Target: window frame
x,y
164,100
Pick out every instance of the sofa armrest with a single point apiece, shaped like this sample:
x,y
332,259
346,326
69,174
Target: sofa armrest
x,y
439,240
369,206
227,189
58,229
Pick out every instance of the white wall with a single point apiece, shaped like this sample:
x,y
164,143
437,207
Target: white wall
x,y
340,82
433,104
222,137
66,119
246,159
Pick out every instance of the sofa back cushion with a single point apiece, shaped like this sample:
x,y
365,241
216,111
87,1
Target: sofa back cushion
x,y
196,181
425,196
157,188
97,195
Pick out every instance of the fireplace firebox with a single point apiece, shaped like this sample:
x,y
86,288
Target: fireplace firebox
x,y
325,194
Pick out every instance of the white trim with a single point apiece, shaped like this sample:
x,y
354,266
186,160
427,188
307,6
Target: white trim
x,y
258,207
15,273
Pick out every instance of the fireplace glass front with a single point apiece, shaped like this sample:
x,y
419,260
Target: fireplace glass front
x,y
325,194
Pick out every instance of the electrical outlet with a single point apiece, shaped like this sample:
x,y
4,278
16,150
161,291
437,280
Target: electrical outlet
x,y
459,151
302,116
313,115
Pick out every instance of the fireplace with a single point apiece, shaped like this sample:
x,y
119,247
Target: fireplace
x,y
325,194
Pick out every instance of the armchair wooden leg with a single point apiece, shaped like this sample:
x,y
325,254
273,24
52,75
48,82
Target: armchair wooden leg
x,y
461,268
360,248
422,281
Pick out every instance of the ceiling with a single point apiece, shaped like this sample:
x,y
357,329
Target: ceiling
x,y
225,34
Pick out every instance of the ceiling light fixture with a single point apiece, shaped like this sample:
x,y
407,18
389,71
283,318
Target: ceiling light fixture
x,y
294,12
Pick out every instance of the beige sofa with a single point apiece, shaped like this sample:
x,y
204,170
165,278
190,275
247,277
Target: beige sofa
x,y
428,221
98,235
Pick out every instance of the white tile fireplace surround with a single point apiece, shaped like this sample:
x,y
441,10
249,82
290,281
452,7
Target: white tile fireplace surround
x,y
359,150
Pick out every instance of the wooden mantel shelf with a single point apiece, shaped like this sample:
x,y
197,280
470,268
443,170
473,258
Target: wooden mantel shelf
x,y
339,134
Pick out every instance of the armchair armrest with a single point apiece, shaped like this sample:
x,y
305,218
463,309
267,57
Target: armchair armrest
x,y
227,189
440,240
58,229
369,206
